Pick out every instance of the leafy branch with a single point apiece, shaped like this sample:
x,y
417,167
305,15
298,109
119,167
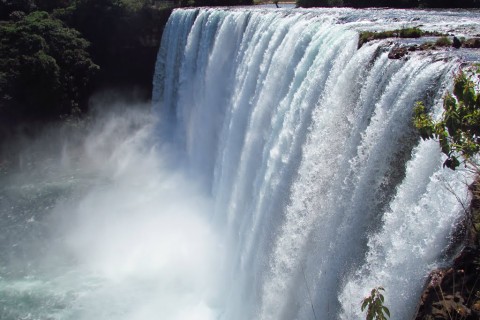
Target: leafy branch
x,y
374,305
458,130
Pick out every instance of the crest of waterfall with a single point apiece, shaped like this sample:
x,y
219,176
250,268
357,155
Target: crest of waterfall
x,y
320,183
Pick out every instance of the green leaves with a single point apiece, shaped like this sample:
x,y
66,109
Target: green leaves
x,y
44,65
374,305
423,122
458,130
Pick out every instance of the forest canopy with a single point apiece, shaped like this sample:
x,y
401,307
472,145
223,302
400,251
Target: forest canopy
x,y
44,66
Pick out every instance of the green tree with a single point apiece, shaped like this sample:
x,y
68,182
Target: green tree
x,y
45,70
458,129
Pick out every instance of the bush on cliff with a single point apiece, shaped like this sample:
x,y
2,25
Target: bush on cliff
x,y
458,130
45,68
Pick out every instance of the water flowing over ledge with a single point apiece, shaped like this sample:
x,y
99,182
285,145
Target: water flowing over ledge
x,y
320,185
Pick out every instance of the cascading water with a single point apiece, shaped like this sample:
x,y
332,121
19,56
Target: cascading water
x,y
282,180
306,143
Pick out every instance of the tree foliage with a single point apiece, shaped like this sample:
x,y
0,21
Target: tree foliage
x,y
44,66
47,66
458,130
374,305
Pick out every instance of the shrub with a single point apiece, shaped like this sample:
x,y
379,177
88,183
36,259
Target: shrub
x,y
458,130
443,42
410,32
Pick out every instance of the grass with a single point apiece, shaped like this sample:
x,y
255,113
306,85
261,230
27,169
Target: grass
x,y
366,36
443,42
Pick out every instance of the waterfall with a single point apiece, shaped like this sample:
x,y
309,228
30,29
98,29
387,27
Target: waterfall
x,y
321,187
278,176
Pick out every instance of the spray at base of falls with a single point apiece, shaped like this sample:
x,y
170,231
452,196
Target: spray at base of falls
x,y
100,223
307,146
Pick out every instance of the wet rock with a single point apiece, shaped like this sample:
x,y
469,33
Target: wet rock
x,y
456,43
451,293
427,46
454,293
397,53
472,43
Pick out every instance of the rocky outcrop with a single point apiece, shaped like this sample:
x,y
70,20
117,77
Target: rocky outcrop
x,y
472,43
398,52
454,293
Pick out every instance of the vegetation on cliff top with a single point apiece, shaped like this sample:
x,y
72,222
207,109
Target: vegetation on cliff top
x,y
366,36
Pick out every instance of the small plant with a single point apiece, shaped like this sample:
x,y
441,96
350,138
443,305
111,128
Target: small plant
x,y
410,33
374,305
443,42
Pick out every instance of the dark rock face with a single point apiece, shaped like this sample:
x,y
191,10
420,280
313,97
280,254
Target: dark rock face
x,y
454,293
456,43
472,43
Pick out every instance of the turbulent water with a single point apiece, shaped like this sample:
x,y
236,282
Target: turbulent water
x,y
278,177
